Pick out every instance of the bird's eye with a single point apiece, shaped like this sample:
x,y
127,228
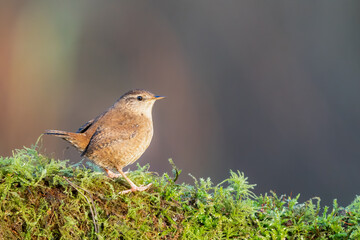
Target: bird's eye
x,y
140,98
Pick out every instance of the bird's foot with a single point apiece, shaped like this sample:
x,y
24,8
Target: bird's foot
x,y
136,189
112,174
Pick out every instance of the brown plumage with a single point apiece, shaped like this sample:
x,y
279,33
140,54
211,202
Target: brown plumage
x,y
119,136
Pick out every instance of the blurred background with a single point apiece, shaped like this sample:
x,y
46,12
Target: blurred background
x,y
267,88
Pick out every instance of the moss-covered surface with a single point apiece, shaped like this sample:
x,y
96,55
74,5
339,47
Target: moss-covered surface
x,y
42,198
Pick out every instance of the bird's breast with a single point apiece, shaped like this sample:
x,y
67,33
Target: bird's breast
x,y
135,146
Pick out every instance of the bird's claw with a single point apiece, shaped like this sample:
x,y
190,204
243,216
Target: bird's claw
x,y
136,189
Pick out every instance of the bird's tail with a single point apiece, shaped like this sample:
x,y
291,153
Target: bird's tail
x,y
79,140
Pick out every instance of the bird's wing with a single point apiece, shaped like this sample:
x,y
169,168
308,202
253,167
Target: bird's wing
x,y
106,136
86,126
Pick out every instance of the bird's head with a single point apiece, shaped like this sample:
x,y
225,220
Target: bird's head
x,y
138,101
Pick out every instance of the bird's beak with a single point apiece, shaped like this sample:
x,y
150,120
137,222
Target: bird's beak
x,y
158,97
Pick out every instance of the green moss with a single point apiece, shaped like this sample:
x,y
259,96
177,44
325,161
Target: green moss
x,y
43,198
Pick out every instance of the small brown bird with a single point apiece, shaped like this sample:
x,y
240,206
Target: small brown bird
x,y
119,136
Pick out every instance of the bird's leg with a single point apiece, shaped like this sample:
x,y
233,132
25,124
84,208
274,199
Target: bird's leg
x,y
134,188
111,174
